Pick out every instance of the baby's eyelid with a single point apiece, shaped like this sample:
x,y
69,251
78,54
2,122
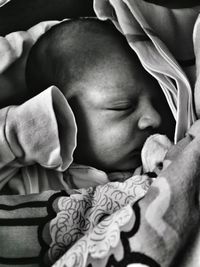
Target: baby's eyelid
x,y
121,107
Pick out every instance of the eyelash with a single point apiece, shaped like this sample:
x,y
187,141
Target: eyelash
x,y
122,108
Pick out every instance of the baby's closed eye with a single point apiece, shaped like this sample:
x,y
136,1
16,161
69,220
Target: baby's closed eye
x,y
123,106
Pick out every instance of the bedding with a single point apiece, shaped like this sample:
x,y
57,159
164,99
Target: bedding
x,y
34,156
141,221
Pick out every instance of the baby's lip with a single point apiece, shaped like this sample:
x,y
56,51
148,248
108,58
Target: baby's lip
x,y
135,160
135,156
136,152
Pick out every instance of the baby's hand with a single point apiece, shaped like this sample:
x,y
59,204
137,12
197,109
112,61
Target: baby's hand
x,y
154,151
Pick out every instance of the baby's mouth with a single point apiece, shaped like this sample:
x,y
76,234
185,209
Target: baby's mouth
x,y
136,152
135,156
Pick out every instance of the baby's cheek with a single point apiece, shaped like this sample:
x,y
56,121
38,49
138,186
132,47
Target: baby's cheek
x,y
119,134
111,134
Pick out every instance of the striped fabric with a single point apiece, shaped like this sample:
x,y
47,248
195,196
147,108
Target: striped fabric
x,y
22,220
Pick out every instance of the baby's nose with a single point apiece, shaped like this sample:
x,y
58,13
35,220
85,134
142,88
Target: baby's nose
x,y
149,118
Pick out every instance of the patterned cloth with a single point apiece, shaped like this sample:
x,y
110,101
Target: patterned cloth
x,y
92,212
130,223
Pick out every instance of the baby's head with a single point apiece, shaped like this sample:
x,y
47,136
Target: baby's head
x,y
116,103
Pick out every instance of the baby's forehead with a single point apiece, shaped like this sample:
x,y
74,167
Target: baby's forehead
x,y
99,91
105,66
112,84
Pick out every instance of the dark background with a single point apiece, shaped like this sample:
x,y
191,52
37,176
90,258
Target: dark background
x,y
22,14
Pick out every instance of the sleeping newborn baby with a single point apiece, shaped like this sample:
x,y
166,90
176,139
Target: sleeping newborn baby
x,y
105,96
116,103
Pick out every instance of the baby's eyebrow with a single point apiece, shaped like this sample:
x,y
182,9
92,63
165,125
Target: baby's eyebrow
x,y
111,96
118,90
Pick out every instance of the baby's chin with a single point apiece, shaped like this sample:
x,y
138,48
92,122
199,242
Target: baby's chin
x,y
127,162
123,165
130,165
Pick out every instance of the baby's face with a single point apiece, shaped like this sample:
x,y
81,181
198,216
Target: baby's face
x,y
116,109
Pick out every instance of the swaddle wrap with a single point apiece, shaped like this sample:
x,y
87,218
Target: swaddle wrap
x,y
161,38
